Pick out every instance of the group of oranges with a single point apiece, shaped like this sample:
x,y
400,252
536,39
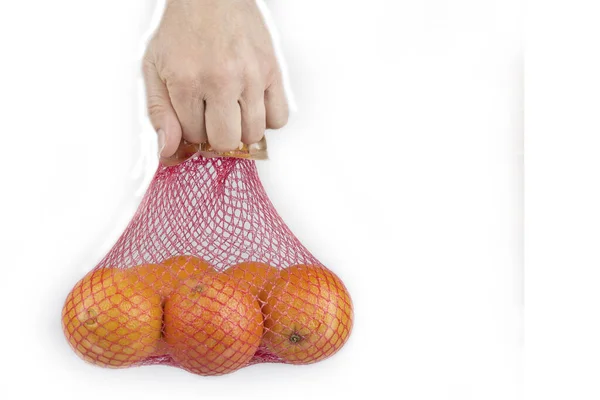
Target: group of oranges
x,y
205,321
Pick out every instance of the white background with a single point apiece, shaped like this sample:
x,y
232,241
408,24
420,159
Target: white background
x,y
401,171
562,212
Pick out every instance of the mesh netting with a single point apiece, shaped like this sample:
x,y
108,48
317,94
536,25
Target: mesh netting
x,y
207,277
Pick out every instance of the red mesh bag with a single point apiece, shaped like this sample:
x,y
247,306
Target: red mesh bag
x,y
207,277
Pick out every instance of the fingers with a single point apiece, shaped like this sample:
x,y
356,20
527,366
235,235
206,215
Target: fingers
x,y
252,105
161,112
189,106
178,110
276,105
223,124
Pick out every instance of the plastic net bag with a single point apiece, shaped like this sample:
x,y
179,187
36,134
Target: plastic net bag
x,y
207,277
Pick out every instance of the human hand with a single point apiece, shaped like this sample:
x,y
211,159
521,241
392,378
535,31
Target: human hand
x,y
212,76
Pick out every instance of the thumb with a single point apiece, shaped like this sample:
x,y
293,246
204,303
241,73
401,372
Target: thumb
x,y
161,112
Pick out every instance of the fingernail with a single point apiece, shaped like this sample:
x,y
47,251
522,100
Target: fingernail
x,y
162,140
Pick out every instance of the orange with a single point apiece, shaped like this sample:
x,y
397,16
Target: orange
x,y
256,274
165,277
308,314
213,325
186,266
111,319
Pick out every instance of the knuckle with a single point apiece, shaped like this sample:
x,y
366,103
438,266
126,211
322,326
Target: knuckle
x,y
252,74
185,91
181,74
155,108
179,92
186,88
168,72
182,81
223,75
229,68
273,74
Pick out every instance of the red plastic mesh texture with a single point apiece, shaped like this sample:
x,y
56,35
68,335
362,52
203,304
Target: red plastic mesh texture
x,y
217,211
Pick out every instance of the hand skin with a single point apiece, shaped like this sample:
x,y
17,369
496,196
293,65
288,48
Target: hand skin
x,y
211,75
